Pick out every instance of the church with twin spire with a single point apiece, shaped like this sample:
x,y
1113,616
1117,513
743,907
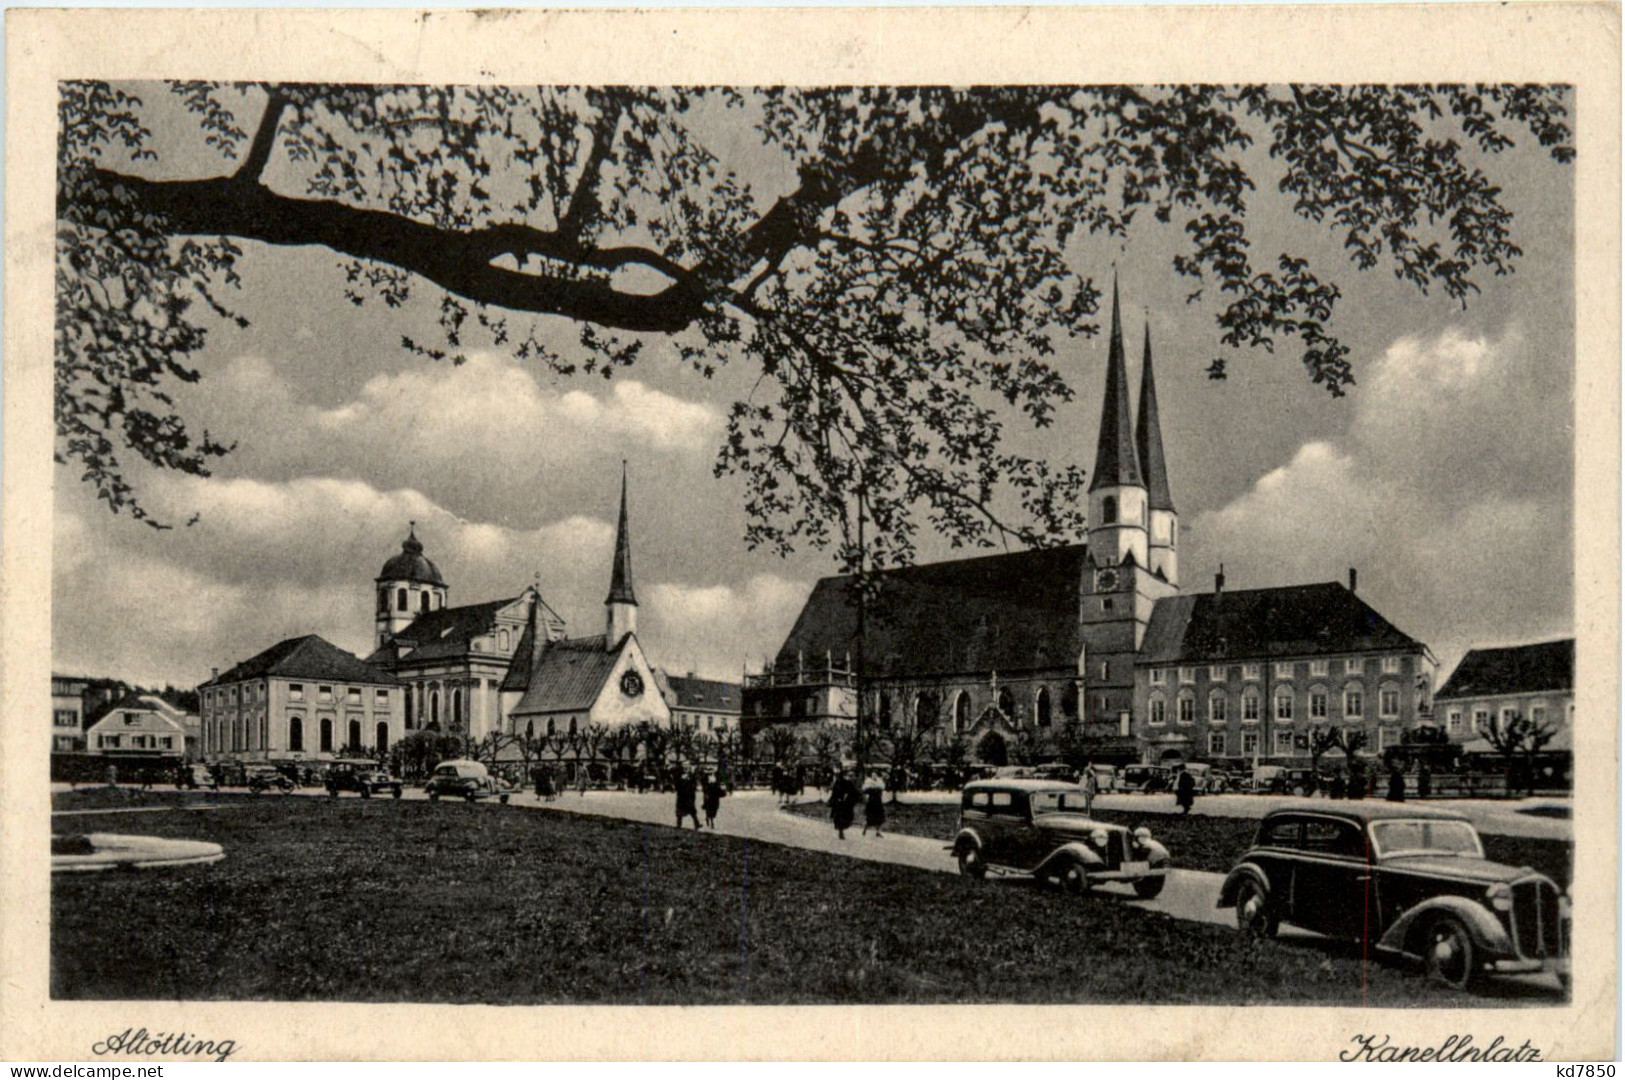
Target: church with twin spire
x,y
1006,651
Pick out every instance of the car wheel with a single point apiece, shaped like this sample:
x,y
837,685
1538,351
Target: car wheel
x,y
970,863
1253,916
1298,790
1149,888
434,796
1450,957
1075,880
395,793
469,796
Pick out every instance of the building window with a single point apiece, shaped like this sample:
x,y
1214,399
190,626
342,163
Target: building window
x,y
1105,669
1283,706
1320,667
324,693
131,719
1353,703
1106,604
1157,676
1215,743
884,712
1391,665
961,712
1159,711
1481,719
1250,671
296,733
327,735
423,602
1385,738
400,599
1507,713
1187,710
1454,725
502,641
1317,704
1187,674
1218,673
1283,670
1007,702
354,695
380,699
1249,743
434,709
572,725
1354,665
1283,743
1216,708
296,692
1108,511
457,710
355,735
1041,707
1537,713
66,718
1249,708
1388,702
382,743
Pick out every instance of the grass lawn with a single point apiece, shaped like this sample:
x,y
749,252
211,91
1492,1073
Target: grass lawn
x,y
412,901
1199,842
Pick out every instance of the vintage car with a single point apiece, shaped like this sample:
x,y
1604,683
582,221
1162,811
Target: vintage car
x,y
1042,828
1209,780
266,778
362,776
464,779
1143,778
1405,883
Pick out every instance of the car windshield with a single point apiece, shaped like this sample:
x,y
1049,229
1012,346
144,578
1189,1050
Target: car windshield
x,y
1425,838
1050,802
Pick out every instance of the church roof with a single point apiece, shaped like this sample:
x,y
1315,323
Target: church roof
x,y
707,694
1116,460
309,657
411,564
1016,612
447,632
1148,437
1294,620
567,677
1543,667
620,578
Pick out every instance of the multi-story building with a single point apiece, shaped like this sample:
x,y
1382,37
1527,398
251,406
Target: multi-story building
x,y
1096,635
302,699
1249,674
1491,685
144,726
67,713
709,706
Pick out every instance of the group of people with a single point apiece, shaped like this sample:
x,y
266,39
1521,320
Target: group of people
x,y
704,787
844,797
550,786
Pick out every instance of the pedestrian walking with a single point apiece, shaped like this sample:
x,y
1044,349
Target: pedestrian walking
x,y
1339,786
685,799
581,781
1090,783
843,803
1185,791
711,801
874,809
1424,781
1396,785
544,784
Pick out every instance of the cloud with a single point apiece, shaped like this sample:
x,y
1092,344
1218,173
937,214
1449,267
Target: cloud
x,y
1451,492
276,559
713,629
484,439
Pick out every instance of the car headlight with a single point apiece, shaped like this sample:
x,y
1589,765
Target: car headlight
x,y
1142,836
1099,838
1500,897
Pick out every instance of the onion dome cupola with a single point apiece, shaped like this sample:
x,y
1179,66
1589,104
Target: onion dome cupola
x,y
408,586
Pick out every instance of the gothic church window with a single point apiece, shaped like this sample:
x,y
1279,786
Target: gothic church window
x,y
1007,702
1041,707
961,712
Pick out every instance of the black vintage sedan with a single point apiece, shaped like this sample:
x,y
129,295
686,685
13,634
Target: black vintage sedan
x,y
1406,883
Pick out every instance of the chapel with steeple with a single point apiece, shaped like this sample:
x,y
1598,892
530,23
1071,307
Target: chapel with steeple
x,y
508,664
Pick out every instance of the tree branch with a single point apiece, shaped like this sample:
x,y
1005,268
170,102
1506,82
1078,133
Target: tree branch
x,y
259,151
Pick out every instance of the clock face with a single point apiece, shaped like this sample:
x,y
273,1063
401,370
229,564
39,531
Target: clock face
x,y
1106,581
632,684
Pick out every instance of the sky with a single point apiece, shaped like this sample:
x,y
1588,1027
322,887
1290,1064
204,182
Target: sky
x,y
1445,476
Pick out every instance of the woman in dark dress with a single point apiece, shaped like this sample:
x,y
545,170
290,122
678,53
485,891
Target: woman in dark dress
x,y
1185,791
843,803
712,801
685,799
874,810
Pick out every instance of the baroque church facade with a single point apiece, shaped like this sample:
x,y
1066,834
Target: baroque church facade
x,y
1025,643
504,666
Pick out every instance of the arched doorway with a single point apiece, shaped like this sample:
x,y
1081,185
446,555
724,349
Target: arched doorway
x,y
383,737
296,734
355,735
327,736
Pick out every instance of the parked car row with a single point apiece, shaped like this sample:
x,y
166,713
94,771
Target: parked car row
x,y
1405,883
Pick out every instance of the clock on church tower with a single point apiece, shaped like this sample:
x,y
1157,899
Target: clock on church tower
x,y
1106,580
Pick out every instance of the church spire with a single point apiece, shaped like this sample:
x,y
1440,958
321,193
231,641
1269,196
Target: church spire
x,y
1116,462
620,581
621,606
1148,436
